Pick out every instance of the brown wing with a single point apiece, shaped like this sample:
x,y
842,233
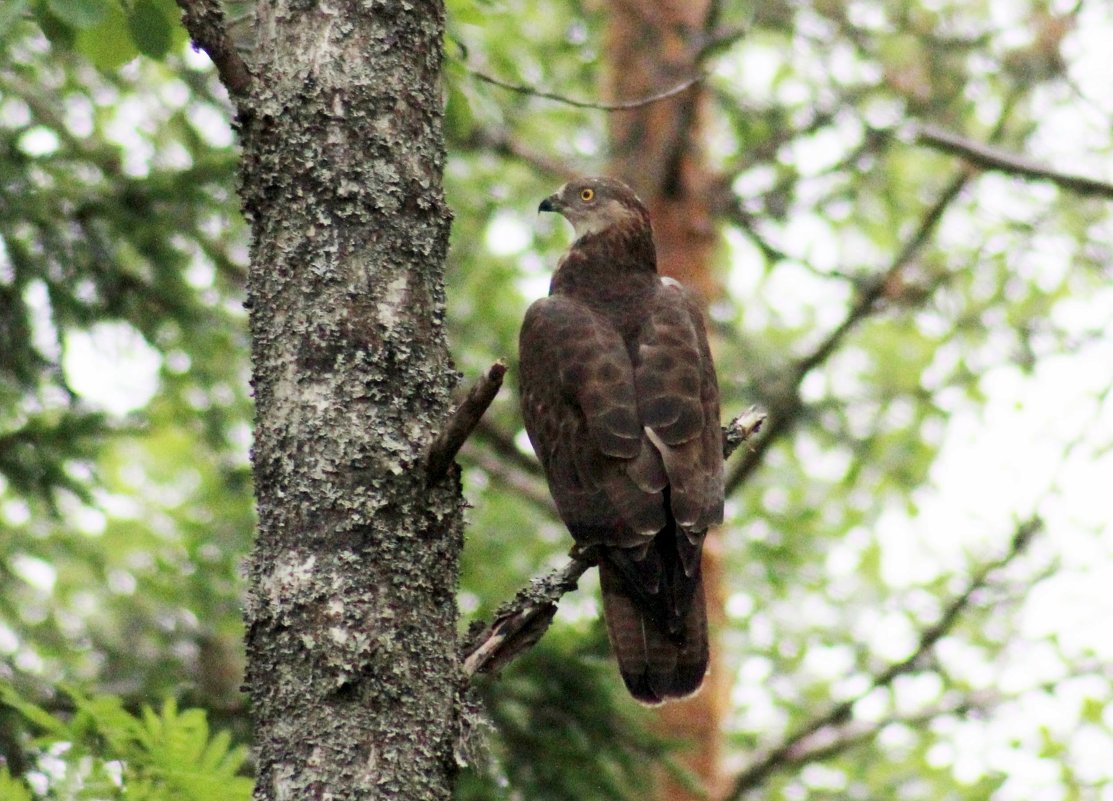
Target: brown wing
x,y
678,401
581,413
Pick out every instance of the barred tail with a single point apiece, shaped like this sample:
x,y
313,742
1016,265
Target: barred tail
x,y
655,664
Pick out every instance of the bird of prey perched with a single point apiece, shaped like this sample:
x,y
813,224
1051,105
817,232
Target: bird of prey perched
x,y
621,404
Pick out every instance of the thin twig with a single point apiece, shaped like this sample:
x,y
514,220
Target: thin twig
x,y
204,19
840,714
500,141
622,105
830,743
444,448
502,443
521,622
993,158
524,485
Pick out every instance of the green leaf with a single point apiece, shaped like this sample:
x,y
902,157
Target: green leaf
x,y
108,45
12,789
80,13
465,11
179,36
1093,710
150,28
32,712
459,119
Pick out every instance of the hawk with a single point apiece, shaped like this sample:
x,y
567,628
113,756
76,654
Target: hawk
x,y
621,404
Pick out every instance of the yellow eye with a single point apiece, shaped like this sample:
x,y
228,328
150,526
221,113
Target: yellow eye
x,y
587,195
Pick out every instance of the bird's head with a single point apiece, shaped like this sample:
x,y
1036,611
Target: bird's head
x,y
595,204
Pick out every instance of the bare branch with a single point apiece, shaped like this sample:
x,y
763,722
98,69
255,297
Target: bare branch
x,y
622,105
789,751
204,19
993,158
714,42
521,622
787,410
444,448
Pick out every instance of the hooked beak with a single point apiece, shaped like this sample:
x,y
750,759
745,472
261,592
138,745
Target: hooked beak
x,y
551,203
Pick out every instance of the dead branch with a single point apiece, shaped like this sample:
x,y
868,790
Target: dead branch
x,y
519,624
444,448
741,428
993,158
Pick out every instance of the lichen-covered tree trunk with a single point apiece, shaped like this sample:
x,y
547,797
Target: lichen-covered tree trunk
x,y
653,45
351,615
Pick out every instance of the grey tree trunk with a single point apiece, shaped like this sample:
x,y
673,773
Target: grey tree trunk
x,y
351,614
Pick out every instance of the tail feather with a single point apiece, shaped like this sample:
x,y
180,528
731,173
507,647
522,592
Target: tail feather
x,y
655,664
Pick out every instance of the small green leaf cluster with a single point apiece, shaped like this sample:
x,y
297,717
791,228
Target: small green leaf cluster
x,y
98,749
109,33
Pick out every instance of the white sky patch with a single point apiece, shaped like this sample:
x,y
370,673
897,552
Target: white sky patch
x,y
14,113
211,123
44,336
38,141
15,512
507,235
112,366
79,115
34,571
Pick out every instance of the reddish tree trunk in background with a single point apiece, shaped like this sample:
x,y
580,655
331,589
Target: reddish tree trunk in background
x,y
651,46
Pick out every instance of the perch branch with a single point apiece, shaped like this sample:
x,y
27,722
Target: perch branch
x,y
787,751
521,622
460,425
741,428
993,158
204,19
518,625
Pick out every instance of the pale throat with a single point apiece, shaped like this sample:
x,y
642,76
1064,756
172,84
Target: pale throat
x,y
601,218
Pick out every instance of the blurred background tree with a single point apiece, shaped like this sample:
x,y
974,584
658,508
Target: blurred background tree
x,y
899,215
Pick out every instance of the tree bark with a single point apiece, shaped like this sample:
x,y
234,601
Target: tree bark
x,y
351,613
653,44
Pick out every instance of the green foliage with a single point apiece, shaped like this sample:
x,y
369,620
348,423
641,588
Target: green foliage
x,y
167,754
109,33
124,514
